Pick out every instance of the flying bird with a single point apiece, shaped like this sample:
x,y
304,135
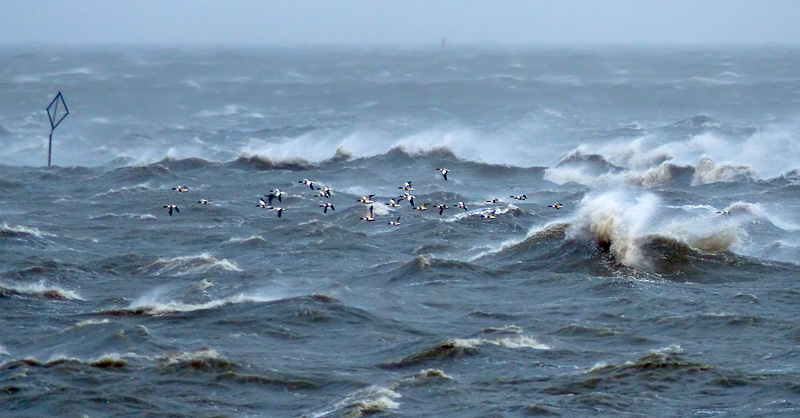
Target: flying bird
x,y
408,197
366,199
273,194
307,182
407,186
325,207
369,217
444,172
171,207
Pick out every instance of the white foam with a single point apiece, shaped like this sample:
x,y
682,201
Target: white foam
x,y
26,230
517,341
72,71
90,322
227,110
154,303
710,81
758,211
142,187
192,264
617,218
41,289
140,216
653,177
428,375
598,366
374,399
767,153
570,174
379,209
706,172
704,233
462,214
202,354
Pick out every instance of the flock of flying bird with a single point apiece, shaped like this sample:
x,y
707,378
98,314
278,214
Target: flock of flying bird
x,y
265,202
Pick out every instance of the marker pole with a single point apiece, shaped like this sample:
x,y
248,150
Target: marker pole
x,y
50,147
53,122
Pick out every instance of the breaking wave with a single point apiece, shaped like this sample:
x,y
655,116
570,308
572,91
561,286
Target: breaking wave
x,y
708,172
372,400
20,231
38,290
614,221
193,264
632,234
154,305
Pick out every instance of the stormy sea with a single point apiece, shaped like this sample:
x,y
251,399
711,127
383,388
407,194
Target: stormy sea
x,y
393,231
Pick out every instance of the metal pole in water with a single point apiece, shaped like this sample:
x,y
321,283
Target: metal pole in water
x,y
50,147
55,120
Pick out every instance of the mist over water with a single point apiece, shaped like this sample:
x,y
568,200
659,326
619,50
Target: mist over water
x,y
651,265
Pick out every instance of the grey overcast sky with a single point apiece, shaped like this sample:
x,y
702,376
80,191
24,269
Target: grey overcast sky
x,y
513,22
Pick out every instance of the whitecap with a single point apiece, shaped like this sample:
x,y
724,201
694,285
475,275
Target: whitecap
x,y
40,289
180,357
517,341
153,303
710,81
374,399
142,187
250,239
616,219
227,110
24,230
192,264
757,210
140,216
88,322
707,172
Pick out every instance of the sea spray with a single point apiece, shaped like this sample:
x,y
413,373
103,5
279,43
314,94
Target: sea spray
x,y
614,220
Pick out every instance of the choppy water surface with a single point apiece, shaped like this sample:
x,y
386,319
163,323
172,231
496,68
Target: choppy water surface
x,y
666,284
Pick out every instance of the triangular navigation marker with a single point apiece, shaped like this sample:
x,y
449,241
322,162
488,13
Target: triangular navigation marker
x,y
55,119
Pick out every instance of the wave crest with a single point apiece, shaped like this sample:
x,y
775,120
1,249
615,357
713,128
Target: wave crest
x,y
708,172
248,161
614,221
39,290
20,231
153,304
185,164
194,264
